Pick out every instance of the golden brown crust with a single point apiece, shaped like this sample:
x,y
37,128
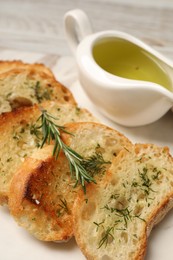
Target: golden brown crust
x,y
24,113
33,187
18,64
49,87
9,122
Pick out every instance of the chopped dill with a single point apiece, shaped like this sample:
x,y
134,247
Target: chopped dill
x,y
106,237
95,164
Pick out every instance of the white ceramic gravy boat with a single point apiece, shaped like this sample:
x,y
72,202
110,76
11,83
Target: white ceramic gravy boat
x,y
126,101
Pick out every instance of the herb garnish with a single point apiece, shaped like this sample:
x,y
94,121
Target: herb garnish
x,y
51,131
106,237
95,164
63,207
123,214
145,182
42,95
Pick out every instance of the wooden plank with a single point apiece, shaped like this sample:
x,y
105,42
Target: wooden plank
x,y
38,26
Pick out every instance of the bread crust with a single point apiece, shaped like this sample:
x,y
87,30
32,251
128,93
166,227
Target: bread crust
x,y
25,87
33,201
18,64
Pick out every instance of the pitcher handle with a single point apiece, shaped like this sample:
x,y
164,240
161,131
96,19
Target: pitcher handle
x,y
77,26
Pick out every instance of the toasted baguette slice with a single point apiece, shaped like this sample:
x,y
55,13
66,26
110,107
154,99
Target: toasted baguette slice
x,y
25,87
120,212
18,140
18,64
89,139
36,198
48,190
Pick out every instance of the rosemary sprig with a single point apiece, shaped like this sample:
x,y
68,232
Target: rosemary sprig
x,y
51,131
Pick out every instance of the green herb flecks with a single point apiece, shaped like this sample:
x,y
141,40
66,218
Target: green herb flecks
x,y
146,182
51,131
106,237
63,204
123,214
63,207
98,224
40,94
156,174
95,164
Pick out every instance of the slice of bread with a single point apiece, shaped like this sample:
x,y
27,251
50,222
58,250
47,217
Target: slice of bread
x,y
18,64
18,139
37,200
89,139
47,191
25,87
114,219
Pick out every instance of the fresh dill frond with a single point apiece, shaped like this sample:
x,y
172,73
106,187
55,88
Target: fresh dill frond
x,y
42,94
51,132
62,208
107,235
98,224
35,131
146,182
123,214
37,91
63,204
95,164
156,174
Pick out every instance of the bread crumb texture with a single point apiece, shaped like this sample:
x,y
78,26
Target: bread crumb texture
x,y
48,187
25,87
119,213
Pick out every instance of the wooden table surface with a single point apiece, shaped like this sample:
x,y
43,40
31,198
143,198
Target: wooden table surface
x,y
37,25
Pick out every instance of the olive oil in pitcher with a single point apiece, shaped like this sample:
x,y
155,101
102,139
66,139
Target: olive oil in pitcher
x,y
124,59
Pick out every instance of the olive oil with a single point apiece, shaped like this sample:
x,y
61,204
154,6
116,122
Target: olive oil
x,y
124,59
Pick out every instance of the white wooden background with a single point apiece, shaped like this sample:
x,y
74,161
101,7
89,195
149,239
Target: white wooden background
x,y
36,25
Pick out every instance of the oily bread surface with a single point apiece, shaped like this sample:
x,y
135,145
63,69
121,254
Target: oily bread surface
x,y
19,140
41,198
34,206
118,214
25,87
55,189
95,137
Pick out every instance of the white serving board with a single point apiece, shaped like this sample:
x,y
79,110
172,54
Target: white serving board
x,y
16,243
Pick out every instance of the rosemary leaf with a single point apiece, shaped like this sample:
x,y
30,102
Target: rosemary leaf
x,y
78,166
